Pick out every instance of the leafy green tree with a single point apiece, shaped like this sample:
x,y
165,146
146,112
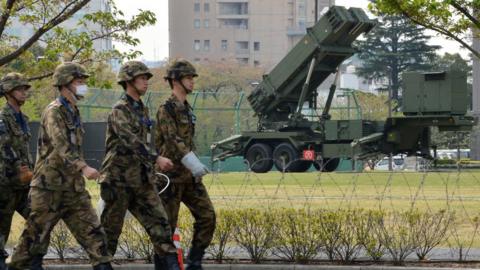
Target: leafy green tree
x,y
394,46
452,62
55,37
454,19
52,40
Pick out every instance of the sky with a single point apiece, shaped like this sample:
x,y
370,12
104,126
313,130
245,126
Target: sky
x,y
154,39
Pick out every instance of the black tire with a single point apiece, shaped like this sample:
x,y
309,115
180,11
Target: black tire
x,y
329,164
259,158
287,158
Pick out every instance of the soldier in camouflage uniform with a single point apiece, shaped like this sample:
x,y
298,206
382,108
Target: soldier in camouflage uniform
x,y
58,186
174,140
15,163
128,169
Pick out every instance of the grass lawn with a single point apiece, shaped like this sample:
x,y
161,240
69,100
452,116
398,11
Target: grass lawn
x,y
433,191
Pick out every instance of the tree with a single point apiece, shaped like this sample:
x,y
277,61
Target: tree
x,y
394,46
454,19
452,62
51,40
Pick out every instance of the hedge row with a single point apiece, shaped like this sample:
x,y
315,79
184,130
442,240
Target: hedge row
x,y
302,236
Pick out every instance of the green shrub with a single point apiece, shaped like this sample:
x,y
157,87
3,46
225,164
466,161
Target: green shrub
x,y
223,234
61,240
254,232
297,236
430,229
127,242
395,232
366,227
348,241
330,228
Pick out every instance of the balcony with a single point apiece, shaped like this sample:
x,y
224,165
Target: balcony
x,y
233,9
242,52
296,31
241,24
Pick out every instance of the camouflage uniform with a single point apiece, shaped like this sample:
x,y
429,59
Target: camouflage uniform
x,y
58,187
174,139
14,151
127,171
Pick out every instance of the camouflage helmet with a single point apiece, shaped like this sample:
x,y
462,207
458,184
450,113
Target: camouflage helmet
x,y
11,81
67,72
132,69
180,68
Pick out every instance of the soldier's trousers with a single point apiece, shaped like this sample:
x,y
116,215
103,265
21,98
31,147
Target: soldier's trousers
x,y
195,197
145,205
11,200
47,208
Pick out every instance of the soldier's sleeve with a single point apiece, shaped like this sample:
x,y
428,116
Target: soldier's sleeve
x,y
167,133
57,131
120,123
3,157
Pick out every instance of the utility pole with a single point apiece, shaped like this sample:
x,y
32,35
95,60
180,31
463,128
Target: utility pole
x,y
389,75
475,134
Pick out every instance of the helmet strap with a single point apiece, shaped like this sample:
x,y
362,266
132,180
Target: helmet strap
x,y
75,97
18,103
187,90
134,87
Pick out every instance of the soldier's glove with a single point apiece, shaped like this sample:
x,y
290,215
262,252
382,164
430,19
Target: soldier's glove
x,y
25,175
192,163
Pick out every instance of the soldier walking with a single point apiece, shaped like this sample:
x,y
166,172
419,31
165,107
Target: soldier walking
x,y
16,162
58,187
174,140
128,169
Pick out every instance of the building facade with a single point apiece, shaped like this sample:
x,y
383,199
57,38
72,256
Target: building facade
x,y
253,32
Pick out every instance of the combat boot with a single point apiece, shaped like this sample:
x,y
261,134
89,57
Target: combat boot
x,y
169,262
3,266
37,261
103,266
195,257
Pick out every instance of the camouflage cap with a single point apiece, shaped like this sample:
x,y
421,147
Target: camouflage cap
x,y
11,81
132,69
67,72
180,68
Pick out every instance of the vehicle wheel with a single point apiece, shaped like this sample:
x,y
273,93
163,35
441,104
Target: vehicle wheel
x,y
287,158
329,164
259,158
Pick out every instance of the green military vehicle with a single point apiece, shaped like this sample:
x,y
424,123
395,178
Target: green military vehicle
x,y
289,140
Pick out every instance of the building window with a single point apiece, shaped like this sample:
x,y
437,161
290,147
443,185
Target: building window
x,y
242,45
224,45
233,8
242,61
196,60
206,23
256,46
256,63
196,7
206,45
206,7
196,45
196,23
234,23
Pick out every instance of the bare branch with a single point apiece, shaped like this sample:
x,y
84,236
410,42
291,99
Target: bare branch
x,y
40,77
6,15
61,17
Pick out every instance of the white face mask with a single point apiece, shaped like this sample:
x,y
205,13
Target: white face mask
x,y
82,90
